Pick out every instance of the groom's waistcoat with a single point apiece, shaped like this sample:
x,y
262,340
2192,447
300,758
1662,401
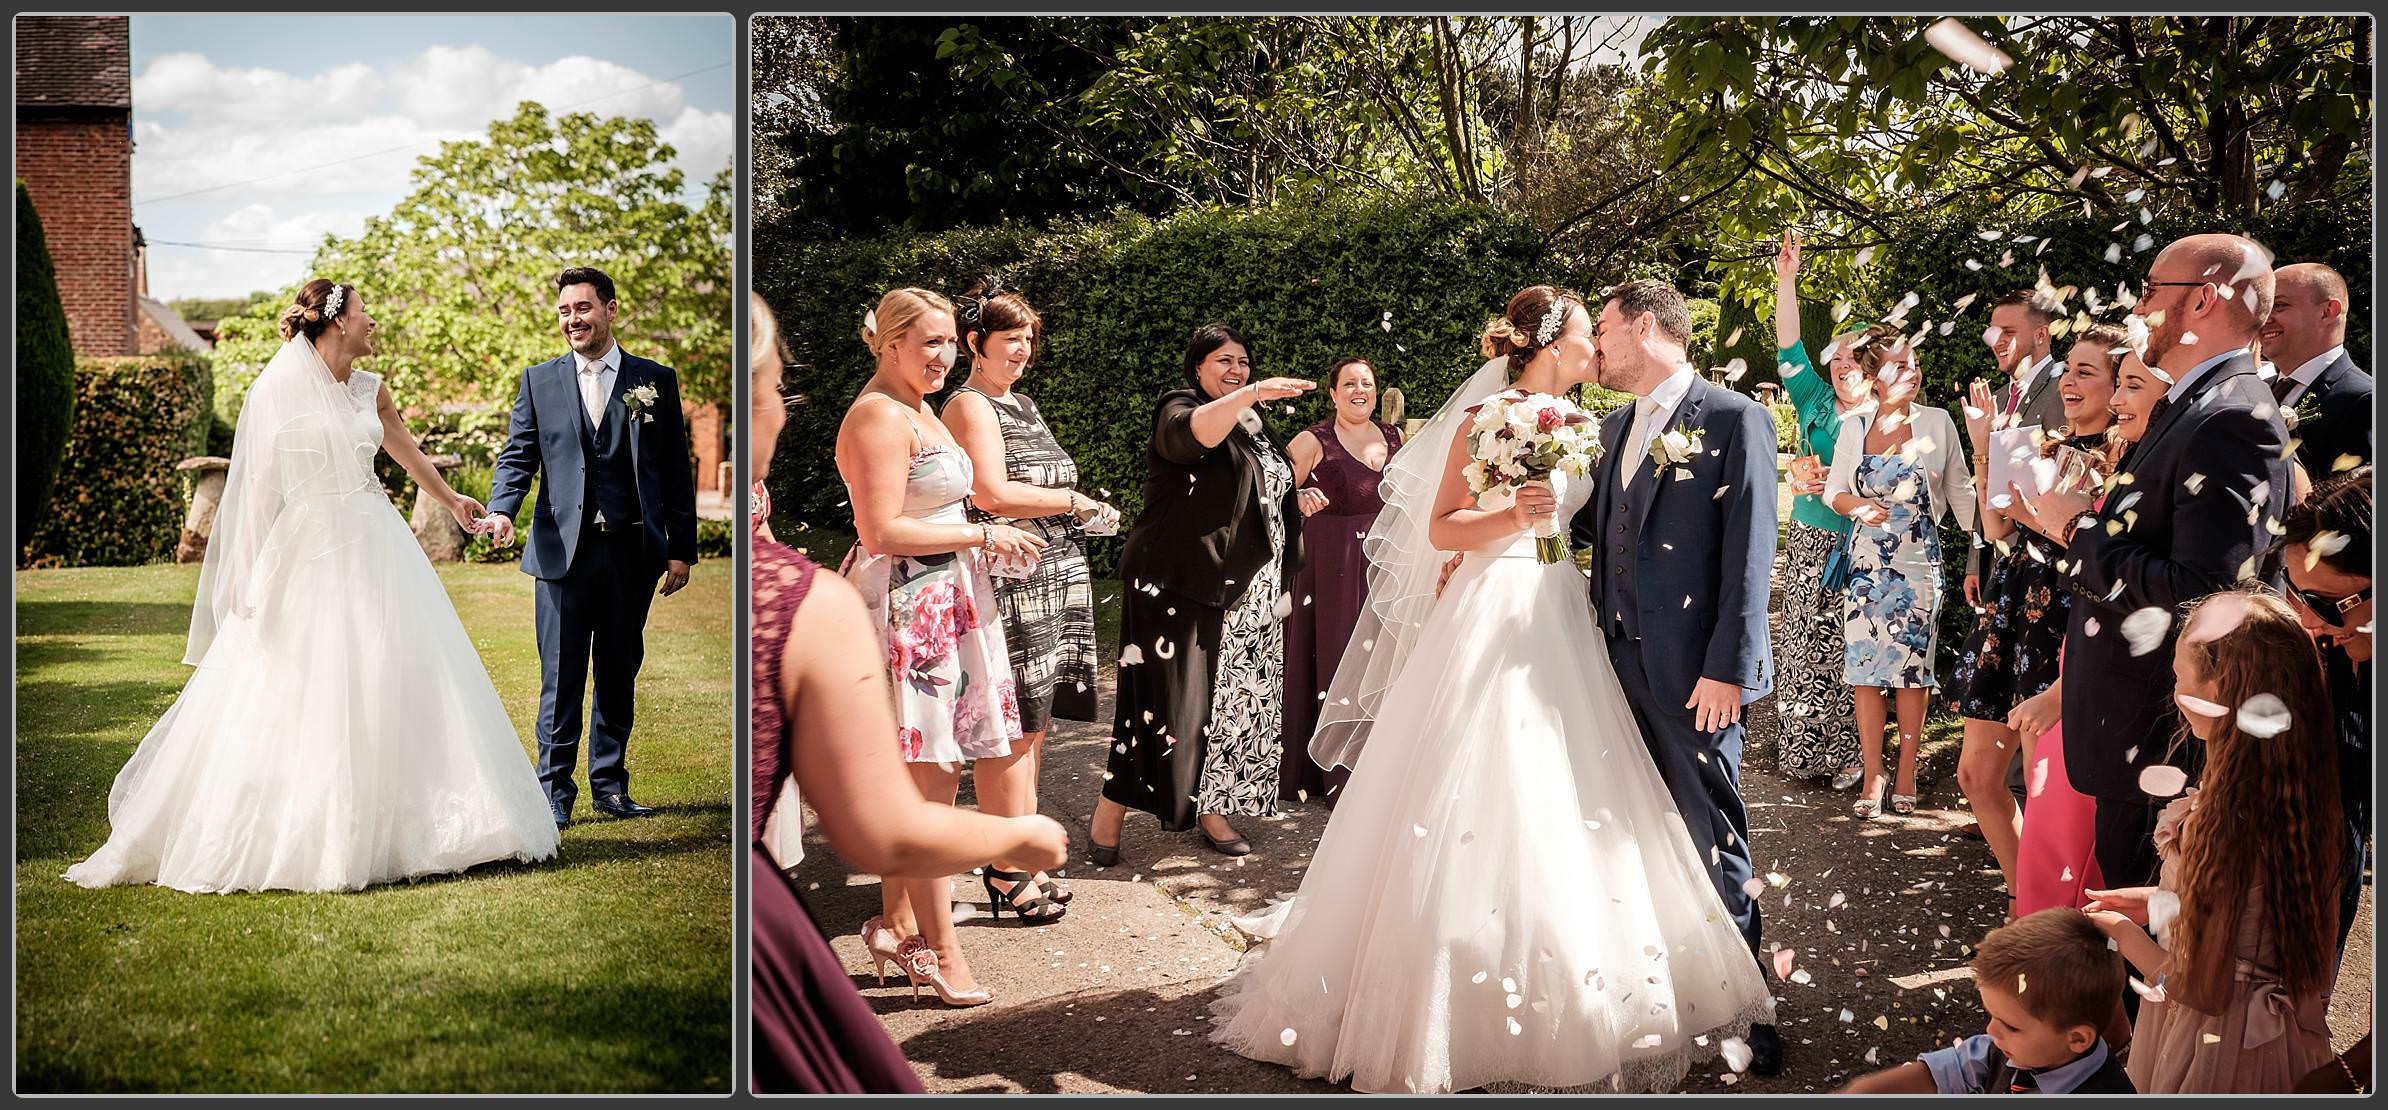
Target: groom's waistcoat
x,y
612,478
1620,599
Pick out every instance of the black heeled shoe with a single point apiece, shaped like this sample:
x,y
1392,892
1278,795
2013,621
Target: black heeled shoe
x,y
1031,912
1103,855
1055,891
1237,847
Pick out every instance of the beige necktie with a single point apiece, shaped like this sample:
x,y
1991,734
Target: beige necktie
x,y
592,392
1637,441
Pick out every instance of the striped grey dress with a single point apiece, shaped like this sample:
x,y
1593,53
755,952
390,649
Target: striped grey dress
x,y
1048,617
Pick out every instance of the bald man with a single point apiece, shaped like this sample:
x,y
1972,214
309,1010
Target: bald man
x,y
2187,516
2306,337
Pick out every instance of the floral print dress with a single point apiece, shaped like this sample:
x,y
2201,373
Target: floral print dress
x,y
1893,602
1246,729
955,698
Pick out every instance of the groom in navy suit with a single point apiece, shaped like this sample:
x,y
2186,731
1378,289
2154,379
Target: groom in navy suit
x,y
602,430
1683,524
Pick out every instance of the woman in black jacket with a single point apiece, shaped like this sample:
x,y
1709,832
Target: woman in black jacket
x,y
1197,723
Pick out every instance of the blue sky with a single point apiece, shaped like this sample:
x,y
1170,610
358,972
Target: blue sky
x,y
215,97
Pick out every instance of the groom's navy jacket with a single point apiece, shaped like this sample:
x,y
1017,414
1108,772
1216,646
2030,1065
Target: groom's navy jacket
x,y
631,467
1684,560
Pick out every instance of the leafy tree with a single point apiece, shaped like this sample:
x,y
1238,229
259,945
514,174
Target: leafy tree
x,y
460,273
1854,124
45,370
794,66
935,123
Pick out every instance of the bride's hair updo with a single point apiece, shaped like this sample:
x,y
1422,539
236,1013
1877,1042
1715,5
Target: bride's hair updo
x,y
1533,320
316,308
897,312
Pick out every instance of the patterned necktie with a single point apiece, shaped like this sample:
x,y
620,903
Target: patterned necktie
x,y
2282,386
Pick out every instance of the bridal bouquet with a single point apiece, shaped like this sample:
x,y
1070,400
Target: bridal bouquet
x,y
1522,439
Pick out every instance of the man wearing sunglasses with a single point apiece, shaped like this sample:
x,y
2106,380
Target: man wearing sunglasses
x,y
2327,549
2189,514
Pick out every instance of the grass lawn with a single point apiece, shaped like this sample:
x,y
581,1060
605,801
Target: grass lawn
x,y
605,969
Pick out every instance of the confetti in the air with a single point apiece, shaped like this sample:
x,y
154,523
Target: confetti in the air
x,y
2264,716
2144,629
2162,780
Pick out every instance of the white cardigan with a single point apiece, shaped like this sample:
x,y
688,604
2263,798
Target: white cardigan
x,y
1939,454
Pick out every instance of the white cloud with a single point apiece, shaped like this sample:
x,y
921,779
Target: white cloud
x,y
176,271
200,126
261,158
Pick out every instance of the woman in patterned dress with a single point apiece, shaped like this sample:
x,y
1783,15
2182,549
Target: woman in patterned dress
x,y
1895,471
821,720
1338,463
921,566
1819,733
1024,479
1198,718
2011,655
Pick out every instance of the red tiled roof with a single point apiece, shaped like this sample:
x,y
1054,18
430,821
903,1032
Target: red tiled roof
x,y
79,61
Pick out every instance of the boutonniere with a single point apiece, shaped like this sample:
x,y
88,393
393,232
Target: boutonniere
x,y
1676,447
640,401
2309,407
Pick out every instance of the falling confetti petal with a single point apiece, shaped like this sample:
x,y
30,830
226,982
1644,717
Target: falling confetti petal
x,y
2162,780
1782,962
2163,907
2264,716
2201,706
2144,630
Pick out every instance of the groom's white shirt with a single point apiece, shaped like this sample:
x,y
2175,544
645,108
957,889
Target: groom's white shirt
x,y
1650,414
596,387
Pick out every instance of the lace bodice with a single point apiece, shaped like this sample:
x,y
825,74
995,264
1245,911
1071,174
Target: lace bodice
x,y
363,392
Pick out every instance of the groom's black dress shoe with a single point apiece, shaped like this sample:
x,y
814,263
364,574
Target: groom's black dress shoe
x,y
1766,1050
619,805
563,812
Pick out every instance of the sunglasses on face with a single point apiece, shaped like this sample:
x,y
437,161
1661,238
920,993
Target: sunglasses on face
x,y
2331,609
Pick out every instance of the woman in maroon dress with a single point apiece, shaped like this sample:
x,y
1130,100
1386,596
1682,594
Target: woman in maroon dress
x,y
1337,462
821,722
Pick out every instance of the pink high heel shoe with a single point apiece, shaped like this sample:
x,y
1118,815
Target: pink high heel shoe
x,y
881,941
919,962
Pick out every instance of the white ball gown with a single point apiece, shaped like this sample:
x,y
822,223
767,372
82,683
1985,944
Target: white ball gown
x,y
340,730
1506,894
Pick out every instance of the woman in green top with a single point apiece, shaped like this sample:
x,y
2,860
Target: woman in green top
x,y
1819,736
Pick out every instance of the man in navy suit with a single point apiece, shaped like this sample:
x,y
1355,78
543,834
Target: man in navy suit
x,y
1683,521
2189,513
2306,339
603,432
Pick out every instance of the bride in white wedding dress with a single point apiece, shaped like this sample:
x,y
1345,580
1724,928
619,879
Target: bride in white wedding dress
x,y
1506,894
339,730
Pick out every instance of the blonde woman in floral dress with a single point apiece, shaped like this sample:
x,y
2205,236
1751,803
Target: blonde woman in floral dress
x,y
921,566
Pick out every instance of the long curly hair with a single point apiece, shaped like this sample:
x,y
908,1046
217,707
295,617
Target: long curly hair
x,y
2267,824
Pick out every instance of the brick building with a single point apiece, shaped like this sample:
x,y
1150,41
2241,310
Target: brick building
x,y
75,154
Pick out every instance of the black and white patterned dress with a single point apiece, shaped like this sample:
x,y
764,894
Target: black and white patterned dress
x,y
1048,617
1246,729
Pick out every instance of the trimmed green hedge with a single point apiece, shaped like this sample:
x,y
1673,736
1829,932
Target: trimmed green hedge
x,y
119,501
1119,298
45,370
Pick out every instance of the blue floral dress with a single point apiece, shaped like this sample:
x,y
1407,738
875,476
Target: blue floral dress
x,y
1892,607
